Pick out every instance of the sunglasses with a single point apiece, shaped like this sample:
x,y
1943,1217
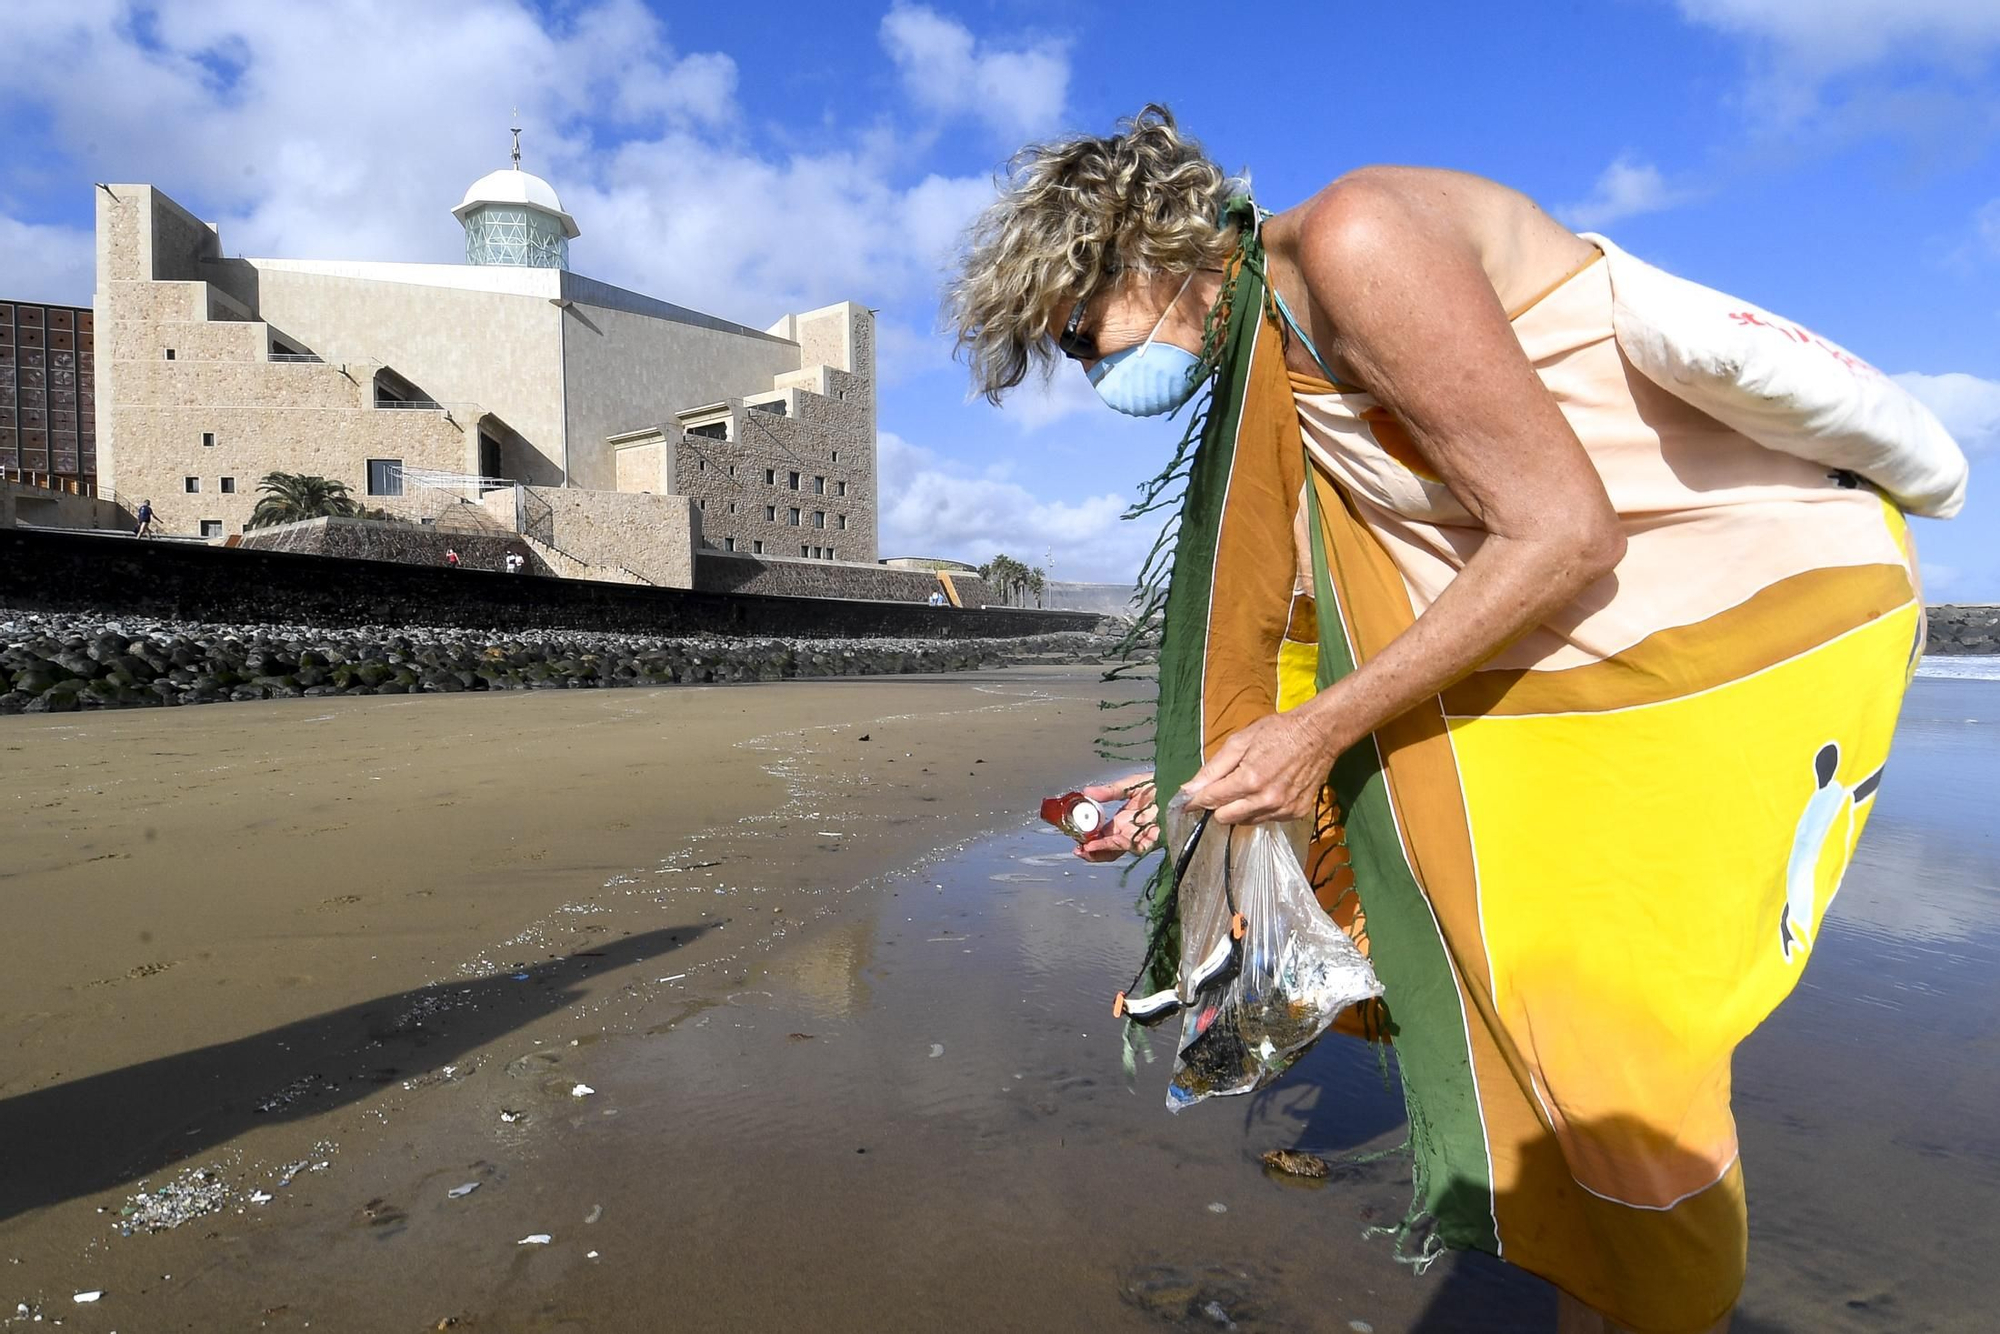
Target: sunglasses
x,y
1082,347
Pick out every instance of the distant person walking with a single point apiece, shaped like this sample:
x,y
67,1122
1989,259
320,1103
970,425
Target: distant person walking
x,y
145,528
514,562
937,597
451,557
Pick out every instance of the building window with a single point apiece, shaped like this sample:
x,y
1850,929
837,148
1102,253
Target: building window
x,y
211,528
701,504
776,407
385,477
804,550
170,354
756,548
819,486
208,440
770,513
795,481
701,465
829,553
732,507
819,518
191,485
729,544
229,486
770,477
711,430
732,470
794,519
840,488
843,523
836,456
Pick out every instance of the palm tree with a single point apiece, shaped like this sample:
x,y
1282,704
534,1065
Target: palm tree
x,y
1009,577
290,496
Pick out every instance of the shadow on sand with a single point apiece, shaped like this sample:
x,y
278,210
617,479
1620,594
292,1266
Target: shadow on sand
x,y
1480,1293
105,1130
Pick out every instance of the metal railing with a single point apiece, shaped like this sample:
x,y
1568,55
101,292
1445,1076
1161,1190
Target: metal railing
x,y
410,404
312,357
49,481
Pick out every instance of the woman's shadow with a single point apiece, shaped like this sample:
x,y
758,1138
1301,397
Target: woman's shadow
x,y
91,1134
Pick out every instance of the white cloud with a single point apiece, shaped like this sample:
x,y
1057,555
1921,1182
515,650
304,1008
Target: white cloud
x,y
1986,225
1937,578
1826,36
930,508
1968,405
39,262
1016,92
348,129
1625,189
1041,399
1919,70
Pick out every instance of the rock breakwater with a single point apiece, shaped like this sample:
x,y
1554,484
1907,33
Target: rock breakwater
x,y
1966,627
62,663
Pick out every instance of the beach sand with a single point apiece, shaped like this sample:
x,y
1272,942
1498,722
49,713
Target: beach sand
x,y
843,1019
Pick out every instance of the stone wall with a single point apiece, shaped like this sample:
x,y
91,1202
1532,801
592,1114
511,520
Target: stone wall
x,y
405,543
718,572
654,537
42,508
826,438
73,572
1972,627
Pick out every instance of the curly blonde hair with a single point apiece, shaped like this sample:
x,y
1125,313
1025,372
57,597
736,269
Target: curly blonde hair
x,y
1071,217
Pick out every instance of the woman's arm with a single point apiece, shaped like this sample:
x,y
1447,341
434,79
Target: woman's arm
x,y
1417,321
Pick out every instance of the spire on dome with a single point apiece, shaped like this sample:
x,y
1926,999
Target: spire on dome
x,y
517,140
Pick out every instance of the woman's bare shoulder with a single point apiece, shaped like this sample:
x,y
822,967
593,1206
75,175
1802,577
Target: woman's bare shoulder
x,y
1375,210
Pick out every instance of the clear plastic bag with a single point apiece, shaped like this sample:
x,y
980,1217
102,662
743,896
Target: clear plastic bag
x,y
1264,971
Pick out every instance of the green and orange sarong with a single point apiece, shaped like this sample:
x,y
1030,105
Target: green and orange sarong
x,y
1588,870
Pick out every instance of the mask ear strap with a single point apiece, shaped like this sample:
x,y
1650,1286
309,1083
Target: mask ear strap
x,y
1159,323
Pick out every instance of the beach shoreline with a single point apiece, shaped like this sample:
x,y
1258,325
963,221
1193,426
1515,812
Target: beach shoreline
x,y
763,1025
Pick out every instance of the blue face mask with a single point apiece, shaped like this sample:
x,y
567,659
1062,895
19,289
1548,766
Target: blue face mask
x,y
1149,379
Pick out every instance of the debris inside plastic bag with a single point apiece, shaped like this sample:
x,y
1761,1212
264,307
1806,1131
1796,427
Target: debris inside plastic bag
x,y
1296,1163
1264,971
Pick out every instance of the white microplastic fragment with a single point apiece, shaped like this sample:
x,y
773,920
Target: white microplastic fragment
x,y
937,1050
535,1239
91,1296
259,1197
1218,1208
460,1192
582,1091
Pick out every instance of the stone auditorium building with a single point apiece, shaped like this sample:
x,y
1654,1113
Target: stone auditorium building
x,y
623,432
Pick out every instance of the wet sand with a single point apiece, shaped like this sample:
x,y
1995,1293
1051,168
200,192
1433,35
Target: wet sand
x,y
896,1104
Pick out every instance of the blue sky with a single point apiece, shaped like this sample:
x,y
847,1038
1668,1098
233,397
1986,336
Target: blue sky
x,y
1835,160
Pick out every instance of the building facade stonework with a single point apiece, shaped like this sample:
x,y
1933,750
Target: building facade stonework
x,y
430,386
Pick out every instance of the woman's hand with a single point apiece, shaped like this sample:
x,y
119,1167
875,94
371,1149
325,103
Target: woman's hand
x,y
1272,769
1134,827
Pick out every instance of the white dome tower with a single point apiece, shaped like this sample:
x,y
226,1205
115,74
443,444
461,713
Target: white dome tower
x,y
513,217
